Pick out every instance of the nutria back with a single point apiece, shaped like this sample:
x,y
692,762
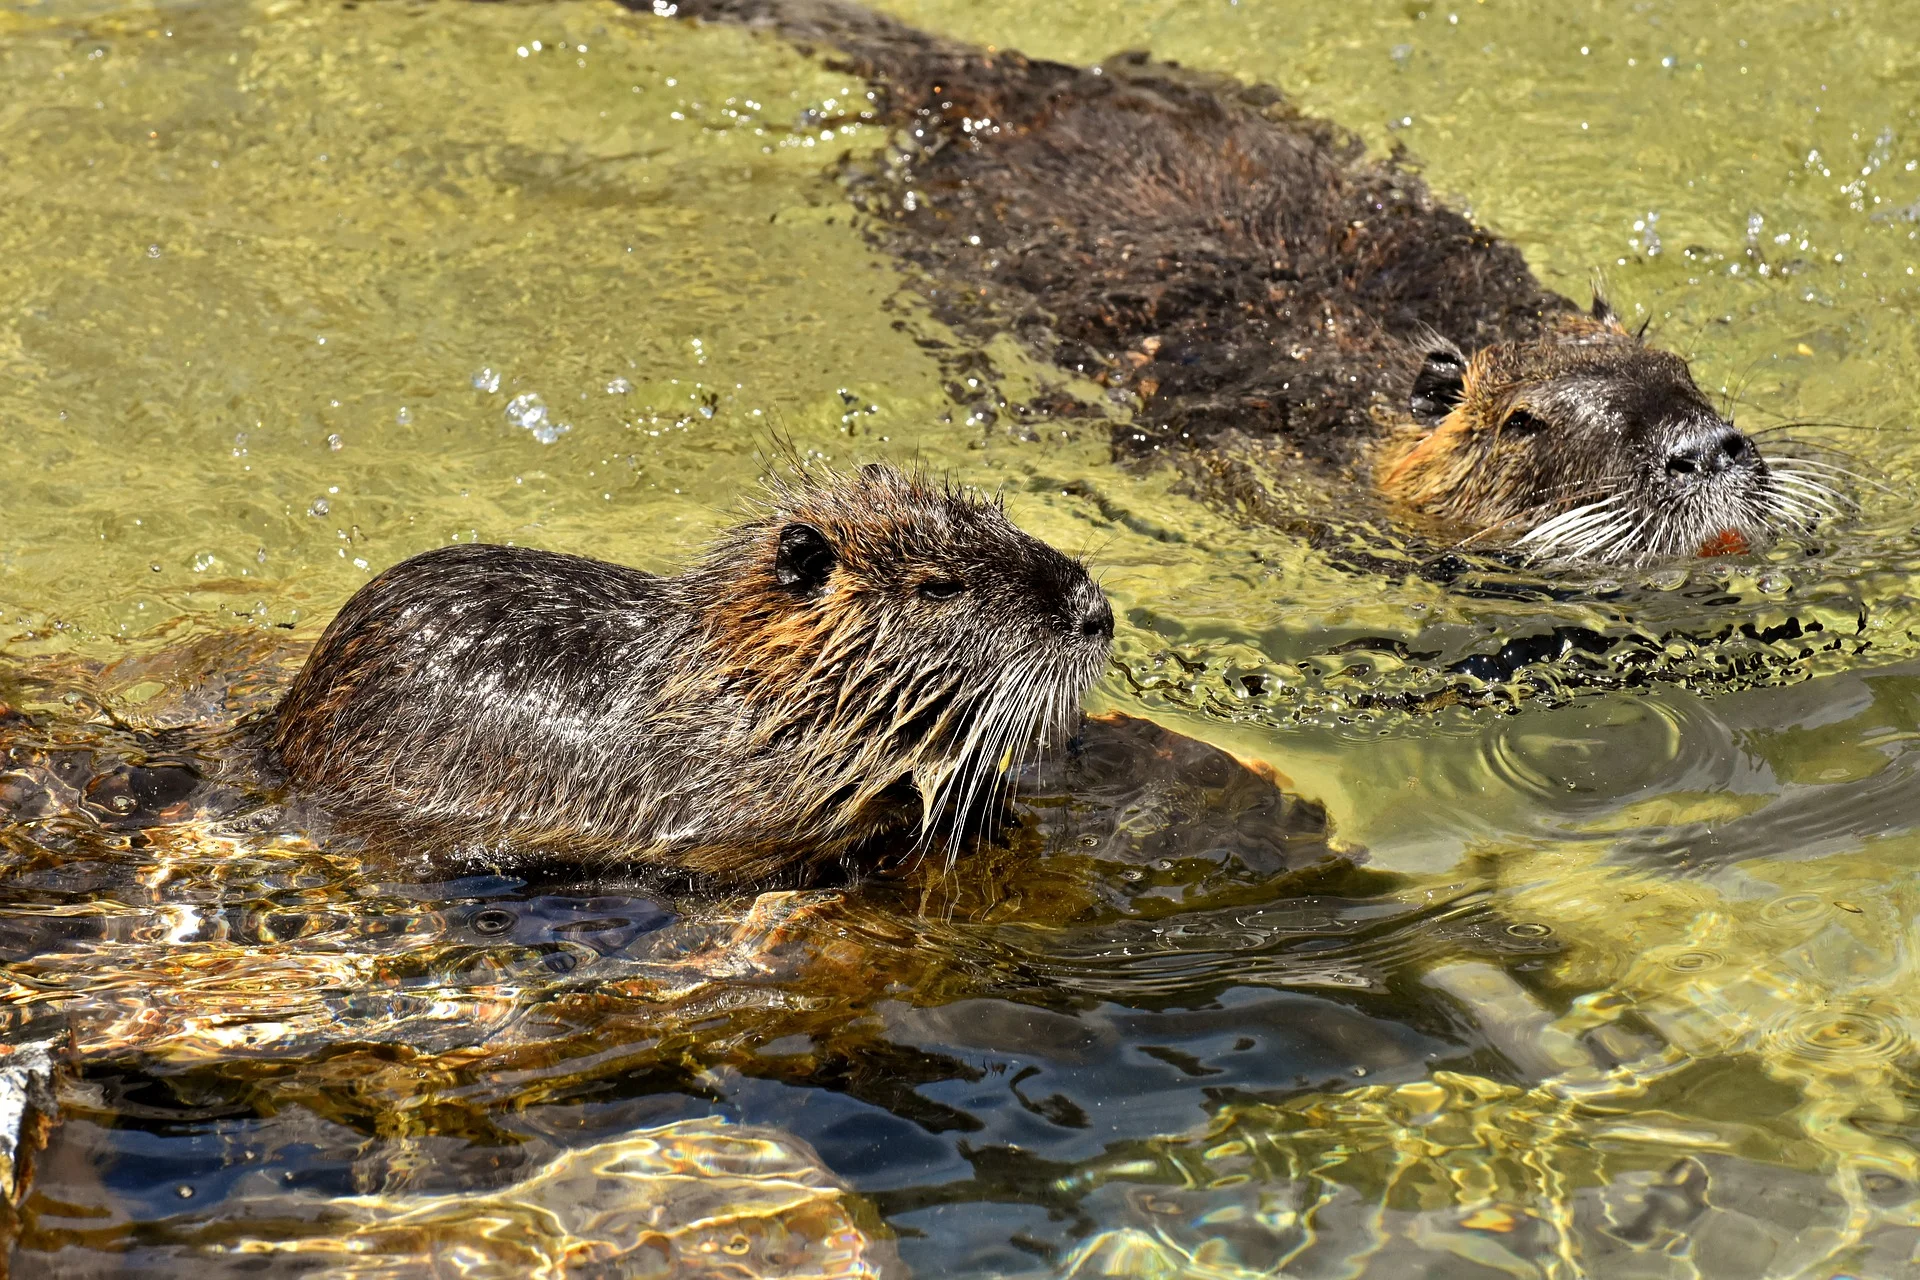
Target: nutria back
x,y
1241,266
860,658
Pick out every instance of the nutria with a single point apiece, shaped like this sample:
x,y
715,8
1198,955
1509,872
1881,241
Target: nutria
x,y
864,656
1264,293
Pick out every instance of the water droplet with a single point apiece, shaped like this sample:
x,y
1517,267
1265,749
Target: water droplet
x,y
153,251
204,561
320,507
619,387
1667,579
335,443
487,380
527,410
403,416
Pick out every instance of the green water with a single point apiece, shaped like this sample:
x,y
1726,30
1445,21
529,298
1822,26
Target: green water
x,y
254,259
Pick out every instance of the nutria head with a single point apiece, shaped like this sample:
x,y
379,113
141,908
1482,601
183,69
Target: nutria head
x,y
880,628
1587,444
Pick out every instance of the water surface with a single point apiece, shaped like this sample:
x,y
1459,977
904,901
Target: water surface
x,y
1624,983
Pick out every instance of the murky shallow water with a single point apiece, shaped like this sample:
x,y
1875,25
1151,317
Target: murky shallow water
x,y
1625,985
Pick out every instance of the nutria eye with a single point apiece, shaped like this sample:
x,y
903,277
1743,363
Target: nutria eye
x,y
1521,423
941,588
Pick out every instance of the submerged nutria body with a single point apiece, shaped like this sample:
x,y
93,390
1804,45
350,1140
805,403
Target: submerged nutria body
x,y
861,658
1266,293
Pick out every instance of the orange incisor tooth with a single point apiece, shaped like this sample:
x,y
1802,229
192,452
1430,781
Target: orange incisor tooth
x,y
1727,542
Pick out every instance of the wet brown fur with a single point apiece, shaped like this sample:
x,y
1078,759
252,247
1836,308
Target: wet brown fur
x,y
853,660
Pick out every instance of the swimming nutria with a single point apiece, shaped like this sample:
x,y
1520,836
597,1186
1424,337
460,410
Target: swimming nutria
x,y
864,654
1269,293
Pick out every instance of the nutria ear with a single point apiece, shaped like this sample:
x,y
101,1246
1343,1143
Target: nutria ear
x,y
803,560
1440,385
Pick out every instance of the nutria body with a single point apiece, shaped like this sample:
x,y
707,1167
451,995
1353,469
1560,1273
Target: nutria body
x,y
859,659
1270,297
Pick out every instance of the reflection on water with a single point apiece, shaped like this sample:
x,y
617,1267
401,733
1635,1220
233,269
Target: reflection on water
x,y
1165,1025
689,1198
1622,984
1162,923
1461,1176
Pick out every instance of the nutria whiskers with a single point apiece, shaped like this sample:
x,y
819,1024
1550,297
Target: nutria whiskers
x,y
864,656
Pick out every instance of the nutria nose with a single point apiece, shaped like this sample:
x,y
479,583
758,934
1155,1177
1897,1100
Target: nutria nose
x,y
1096,618
1708,453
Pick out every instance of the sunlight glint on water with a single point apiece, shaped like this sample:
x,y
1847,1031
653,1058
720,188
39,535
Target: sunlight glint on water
x,y
1627,983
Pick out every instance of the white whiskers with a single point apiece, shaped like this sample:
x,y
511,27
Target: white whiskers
x,y
1630,529
1025,712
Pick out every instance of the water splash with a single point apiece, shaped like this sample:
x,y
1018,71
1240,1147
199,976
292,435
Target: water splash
x,y
528,411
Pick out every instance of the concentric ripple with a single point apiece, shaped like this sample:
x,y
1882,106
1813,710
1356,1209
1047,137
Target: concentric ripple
x,y
1574,763
1840,1039
1796,909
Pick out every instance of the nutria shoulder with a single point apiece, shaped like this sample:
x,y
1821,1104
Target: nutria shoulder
x,y
1260,288
861,657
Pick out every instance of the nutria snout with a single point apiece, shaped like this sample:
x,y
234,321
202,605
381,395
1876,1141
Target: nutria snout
x,y
866,655
1587,444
